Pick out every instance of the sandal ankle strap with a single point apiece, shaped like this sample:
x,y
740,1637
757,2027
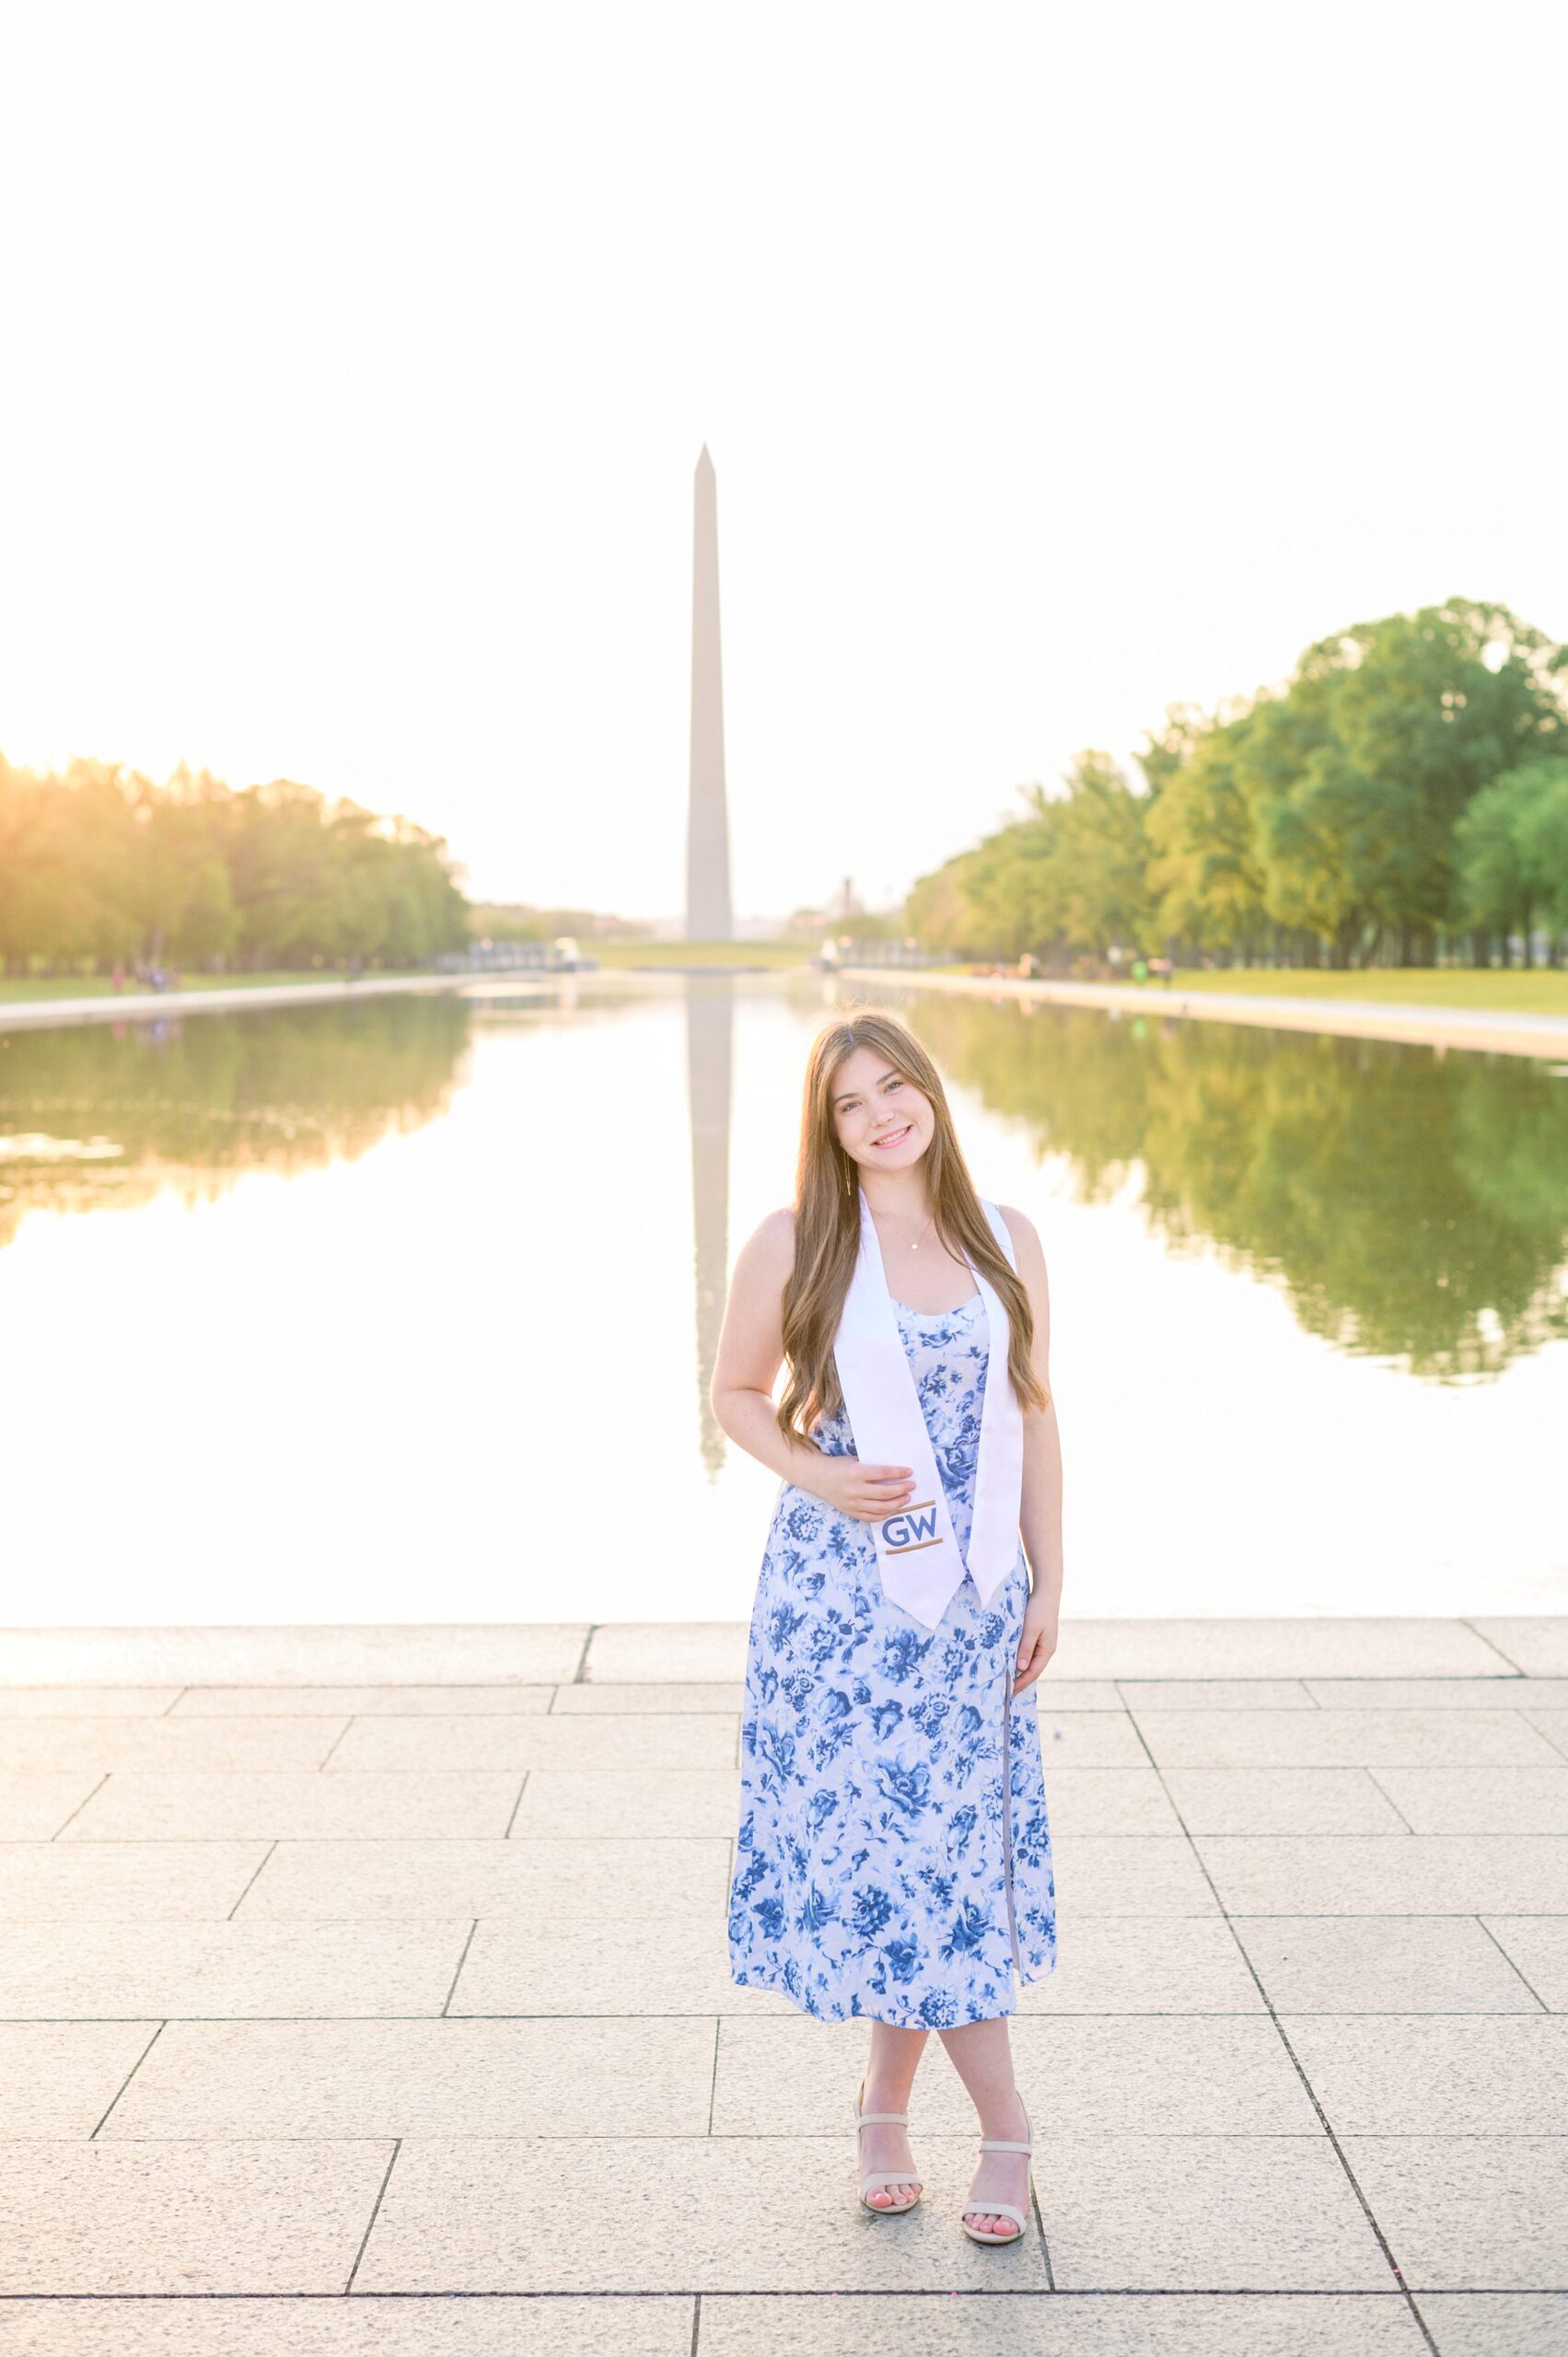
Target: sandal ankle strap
x,y
881,2119
997,2144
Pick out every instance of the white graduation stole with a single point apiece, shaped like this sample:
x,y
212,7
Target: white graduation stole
x,y
917,1550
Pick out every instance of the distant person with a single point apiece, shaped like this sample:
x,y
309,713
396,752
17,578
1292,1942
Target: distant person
x,y
1140,969
895,1856
118,977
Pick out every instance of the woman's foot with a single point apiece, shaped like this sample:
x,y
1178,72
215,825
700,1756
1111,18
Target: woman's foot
x,y
885,2147
1000,2177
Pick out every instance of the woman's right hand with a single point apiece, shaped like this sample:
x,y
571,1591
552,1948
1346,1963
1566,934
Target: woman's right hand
x,y
865,1492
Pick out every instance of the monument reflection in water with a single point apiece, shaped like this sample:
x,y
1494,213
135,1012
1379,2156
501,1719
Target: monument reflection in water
x,y
408,1310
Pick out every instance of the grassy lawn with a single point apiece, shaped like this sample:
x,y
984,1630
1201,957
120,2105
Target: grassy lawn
x,y
101,986
779,955
1537,993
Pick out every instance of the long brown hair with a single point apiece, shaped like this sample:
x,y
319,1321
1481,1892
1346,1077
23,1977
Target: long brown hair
x,y
827,1221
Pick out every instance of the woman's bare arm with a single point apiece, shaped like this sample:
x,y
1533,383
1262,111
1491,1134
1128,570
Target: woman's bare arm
x,y
1039,1514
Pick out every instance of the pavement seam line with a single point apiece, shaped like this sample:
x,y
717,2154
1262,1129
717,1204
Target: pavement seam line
x,y
375,2212
1310,2091
1545,1737
517,1805
1513,1967
173,1706
81,1805
580,1676
696,2323
1039,2225
252,1883
446,2008
1389,1797
130,2074
1492,1645
335,1741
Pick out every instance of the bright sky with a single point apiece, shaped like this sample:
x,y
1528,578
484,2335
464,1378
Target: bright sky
x,y
1057,363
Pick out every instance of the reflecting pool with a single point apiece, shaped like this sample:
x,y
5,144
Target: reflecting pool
x,y
405,1310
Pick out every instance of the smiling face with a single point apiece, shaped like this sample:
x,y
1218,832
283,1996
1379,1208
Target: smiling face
x,y
883,1121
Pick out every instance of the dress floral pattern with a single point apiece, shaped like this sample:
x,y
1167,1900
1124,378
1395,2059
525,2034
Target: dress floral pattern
x,y
886,1866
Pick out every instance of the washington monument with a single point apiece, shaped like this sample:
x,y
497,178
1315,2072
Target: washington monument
x,y
708,914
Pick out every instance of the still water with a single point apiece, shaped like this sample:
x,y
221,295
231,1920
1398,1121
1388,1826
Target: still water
x,y
406,1311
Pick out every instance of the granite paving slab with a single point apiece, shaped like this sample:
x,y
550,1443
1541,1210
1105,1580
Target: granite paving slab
x,y
1342,1738
224,2080
680,1967
1129,1874
589,1884
638,1651
1214,1694
98,1745
59,2078
1176,2075
316,2326
35,1803
1280,1800
125,1881
1550,1721
1063,2324
1082,1738
1496,2324
567,1804
1393,2075
1107,1800
1149,1964
238,1969
1056,1694
1383,1964
700,2213
186,2218
1537,1945
87,1702
1535,1644
536,1653
1479,1800
608,1702
1470,2213
1275,1646
351,1702
617,1746
1509,1692
1193,2213
1404,1873
213,1806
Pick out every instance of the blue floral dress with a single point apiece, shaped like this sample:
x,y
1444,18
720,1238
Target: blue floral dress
x,y
894,1856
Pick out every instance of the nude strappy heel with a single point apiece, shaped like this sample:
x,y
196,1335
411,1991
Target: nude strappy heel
x,y
886,2177
1002,2209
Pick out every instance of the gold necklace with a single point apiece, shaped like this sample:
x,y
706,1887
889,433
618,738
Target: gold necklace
x,y
930,1223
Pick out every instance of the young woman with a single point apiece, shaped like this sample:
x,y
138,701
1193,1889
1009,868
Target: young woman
x,y
894,1858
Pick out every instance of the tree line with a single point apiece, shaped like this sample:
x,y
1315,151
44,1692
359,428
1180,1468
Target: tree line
x,y
1403,798
98,866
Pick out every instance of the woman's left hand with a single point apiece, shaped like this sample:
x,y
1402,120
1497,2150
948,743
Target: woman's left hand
x,y
1036,1642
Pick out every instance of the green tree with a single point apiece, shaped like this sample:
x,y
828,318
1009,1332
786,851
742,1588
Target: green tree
x,y
1358,771
1205,874
1511,853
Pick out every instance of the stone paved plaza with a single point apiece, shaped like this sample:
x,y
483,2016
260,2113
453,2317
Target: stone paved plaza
x,y
363,1990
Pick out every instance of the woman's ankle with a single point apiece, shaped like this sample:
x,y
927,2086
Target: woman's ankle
x,y
1004,2117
